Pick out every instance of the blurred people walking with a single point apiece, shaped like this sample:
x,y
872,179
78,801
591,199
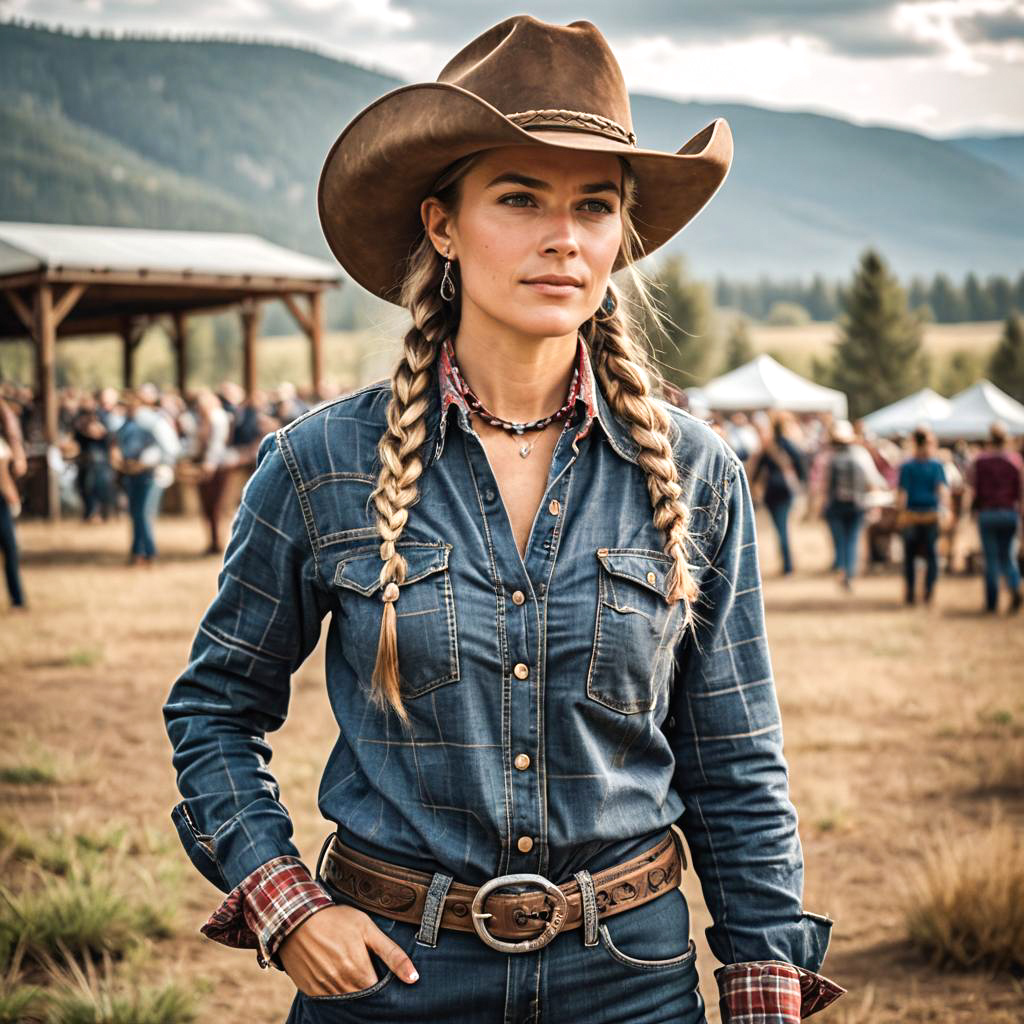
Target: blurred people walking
x,y
850,478
12,464
92,426
216,460
780,468
922,501
994,478
135,453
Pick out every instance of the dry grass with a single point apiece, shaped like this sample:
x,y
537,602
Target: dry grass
x,y
896,722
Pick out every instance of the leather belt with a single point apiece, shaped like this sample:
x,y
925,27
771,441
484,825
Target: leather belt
x,y
534,918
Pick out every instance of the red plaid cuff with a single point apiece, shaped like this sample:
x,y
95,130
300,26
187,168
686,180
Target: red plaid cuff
x,y
265,906
772,992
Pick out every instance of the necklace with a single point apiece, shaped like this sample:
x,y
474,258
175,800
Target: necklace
x,y
497,421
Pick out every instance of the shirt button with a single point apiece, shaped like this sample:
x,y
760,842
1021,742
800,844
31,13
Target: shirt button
x,y
518,597
525,844
489,494
521,670
522,762
553,506
651,577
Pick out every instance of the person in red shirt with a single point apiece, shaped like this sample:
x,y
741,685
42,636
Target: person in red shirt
x,y
995,478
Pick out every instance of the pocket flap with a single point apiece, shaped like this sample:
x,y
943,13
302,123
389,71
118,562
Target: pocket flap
x,y
361,572
647,568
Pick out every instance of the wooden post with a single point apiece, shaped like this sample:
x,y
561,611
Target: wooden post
x,y
250,313
46,385
178,339
316,339
129,338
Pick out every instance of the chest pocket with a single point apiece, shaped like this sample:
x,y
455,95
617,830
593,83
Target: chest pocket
x,y
428,651
636,631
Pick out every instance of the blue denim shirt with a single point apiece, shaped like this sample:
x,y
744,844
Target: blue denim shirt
x,y
571,655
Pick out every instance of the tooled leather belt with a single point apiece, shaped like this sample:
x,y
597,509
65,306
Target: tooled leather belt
x,y
532,917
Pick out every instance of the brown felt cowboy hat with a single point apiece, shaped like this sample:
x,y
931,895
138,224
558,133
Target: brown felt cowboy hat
x,y
522,81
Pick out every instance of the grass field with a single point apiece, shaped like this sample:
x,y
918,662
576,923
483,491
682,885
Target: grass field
x,y
904,730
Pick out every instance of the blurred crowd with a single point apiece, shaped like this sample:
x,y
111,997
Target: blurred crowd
x,y
119,450
910,497
907,499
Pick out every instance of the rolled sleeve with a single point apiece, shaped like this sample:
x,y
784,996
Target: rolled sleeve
x,y
726,734
263,622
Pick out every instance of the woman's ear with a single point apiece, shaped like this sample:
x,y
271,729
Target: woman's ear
x,y
436,223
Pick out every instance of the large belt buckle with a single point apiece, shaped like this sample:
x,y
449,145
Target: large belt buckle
x,y
554,925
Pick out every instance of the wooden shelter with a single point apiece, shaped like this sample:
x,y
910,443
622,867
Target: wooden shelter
x,y
60,280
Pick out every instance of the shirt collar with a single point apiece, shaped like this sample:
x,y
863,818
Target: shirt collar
x,y
591,404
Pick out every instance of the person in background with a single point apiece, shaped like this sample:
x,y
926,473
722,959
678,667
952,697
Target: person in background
x,y
957,491
781,468
95,474
922,501
850,477
152,416
136,453
994,482
12,464
216,459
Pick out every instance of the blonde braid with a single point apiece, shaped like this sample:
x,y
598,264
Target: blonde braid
x,y
623,370
400,463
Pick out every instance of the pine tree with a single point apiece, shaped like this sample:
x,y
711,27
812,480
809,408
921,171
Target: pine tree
x,y
689,337
878,357
1006,368
739,349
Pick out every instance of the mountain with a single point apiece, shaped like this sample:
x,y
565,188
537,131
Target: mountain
x,y
1005,151
232,135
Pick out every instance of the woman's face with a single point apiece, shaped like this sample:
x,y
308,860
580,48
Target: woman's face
x,y
527,213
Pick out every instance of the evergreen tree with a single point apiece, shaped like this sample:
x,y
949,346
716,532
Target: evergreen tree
x,y
977,300
946,301
878,357
1006,368
739,349
688,336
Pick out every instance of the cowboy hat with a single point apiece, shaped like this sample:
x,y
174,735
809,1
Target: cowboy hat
x,y
522,81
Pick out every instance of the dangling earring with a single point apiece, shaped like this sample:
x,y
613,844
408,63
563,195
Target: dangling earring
x,y
608,305
447,282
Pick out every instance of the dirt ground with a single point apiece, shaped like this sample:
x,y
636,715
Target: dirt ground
x,y
896,721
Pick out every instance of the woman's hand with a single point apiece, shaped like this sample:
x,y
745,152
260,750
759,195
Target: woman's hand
x,y
328,954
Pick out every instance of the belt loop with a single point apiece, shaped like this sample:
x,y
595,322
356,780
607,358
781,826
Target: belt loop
x,y
589,900
433,908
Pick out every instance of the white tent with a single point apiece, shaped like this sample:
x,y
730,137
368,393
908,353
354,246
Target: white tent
x,y
973,411
924,406
764,383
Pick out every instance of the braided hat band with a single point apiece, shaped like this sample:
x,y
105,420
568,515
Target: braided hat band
x,y
573,120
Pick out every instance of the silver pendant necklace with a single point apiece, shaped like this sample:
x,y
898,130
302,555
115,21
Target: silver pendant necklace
x,y
497,421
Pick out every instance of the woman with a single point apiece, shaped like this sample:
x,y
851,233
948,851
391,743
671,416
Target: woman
x,y
135,453
511,535
781,469
850,479
13,463
994,477
216,459
923,502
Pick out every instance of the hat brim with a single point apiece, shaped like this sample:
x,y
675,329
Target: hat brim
x,y
382,166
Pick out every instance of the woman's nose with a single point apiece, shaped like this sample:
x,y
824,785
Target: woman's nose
x,y
560,234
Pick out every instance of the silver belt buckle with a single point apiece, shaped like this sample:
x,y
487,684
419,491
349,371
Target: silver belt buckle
x,y
559,913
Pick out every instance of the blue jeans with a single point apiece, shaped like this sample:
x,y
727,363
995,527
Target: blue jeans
x,y
999,542
921,539
845,519
139,489
780,517
642,969
9,546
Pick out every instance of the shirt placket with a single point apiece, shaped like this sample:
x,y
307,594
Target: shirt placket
x,y
523,584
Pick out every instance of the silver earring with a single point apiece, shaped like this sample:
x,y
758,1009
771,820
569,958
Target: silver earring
x,y
447,282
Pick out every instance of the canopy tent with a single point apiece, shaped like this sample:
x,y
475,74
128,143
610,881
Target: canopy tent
x,y
924,406
764,383
973,411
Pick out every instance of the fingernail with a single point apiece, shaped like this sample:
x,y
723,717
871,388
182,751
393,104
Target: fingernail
x,y
414,976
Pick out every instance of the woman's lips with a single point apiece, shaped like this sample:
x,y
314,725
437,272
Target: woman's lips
x,y
546,288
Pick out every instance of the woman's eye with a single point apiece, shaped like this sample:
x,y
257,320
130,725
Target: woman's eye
x,y
603,207
516,195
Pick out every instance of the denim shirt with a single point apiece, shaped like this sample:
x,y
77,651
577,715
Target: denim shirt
x,y
571,655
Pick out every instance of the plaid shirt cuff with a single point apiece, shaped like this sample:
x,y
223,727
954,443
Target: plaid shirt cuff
x,y
265,906
772,992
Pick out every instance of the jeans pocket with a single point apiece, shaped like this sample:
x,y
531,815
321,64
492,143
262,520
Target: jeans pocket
x,y
654,936
636,629
425,625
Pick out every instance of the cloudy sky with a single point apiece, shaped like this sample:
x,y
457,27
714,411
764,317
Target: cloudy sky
x,y
936,66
